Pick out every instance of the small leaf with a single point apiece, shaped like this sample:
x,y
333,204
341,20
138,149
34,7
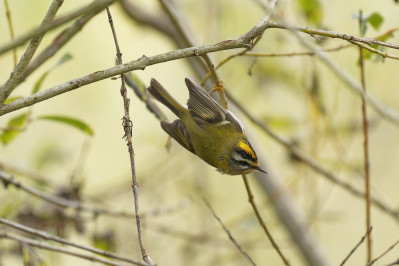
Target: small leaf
x,y
38,83
76,123
375,20
363,29
15,125
65,58
11,99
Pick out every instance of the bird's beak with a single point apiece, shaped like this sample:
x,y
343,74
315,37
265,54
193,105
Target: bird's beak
x,y
260,169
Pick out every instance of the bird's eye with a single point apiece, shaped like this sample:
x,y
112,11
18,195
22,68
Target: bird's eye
x,y
244,164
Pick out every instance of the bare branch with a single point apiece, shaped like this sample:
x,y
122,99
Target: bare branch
x,y
59,41
41,245
16,75
141,63
384,110
93,7
78,206
63,241
332,34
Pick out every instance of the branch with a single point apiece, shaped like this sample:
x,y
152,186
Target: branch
x,y
59,41
331,34
141,64
47,236
283,204
38,244
16,75
93,7
78,206
384,110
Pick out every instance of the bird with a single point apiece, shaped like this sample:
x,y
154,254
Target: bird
x,y
206,129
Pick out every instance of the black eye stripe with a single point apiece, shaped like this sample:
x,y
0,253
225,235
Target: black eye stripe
x,y
245,155
244,163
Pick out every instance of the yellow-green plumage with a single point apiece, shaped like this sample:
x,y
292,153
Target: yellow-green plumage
x,y
207,130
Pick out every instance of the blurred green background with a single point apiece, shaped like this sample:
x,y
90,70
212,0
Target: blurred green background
x,y
278,92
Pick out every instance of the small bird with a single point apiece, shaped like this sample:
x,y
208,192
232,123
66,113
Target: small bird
x,y
206,129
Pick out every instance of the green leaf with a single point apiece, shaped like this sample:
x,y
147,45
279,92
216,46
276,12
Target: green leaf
x,y
65,58
11,99
375,20
38,83
73,122
15,126
312,10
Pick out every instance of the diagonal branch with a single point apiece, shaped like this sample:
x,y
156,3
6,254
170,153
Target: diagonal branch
x,y
141,64
47,236
93,7
35,243
16,75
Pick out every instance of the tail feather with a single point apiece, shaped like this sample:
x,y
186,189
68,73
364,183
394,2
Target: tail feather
x,y
157,91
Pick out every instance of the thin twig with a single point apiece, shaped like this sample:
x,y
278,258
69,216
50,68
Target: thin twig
x,y
11,28
311,53
365,146
283,204
16,75
47,236
58,42
79,207
383,254
140,63
332,34
384,110
35,243
92,7
289,54
356,247
127,126
242,251
261,221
